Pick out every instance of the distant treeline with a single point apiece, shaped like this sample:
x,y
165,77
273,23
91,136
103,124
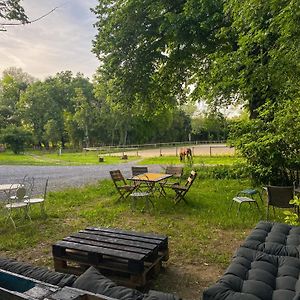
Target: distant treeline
x,y
67,110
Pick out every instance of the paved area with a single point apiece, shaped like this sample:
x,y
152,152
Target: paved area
x,y
61,177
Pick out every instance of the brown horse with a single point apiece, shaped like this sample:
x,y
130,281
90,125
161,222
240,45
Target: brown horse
x,y
185,152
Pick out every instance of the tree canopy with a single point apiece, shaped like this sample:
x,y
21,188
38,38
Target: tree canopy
x,y
69,110
225,51
12,10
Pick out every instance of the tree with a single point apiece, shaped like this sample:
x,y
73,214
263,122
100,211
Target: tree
x,y
259,62
210,126
271,142
162,52
12,84
150,50
12,10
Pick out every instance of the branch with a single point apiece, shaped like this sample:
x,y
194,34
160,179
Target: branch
x,y
29,22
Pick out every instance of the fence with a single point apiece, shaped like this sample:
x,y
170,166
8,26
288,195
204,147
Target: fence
x,y
165,149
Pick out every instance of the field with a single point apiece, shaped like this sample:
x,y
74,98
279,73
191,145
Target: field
x,y
203,234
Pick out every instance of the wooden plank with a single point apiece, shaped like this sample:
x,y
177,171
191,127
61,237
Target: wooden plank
x,y
99,250
83,234
106,245
131,235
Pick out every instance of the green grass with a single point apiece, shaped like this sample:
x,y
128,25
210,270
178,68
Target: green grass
x,y
203,234
204,231
66,159
207,160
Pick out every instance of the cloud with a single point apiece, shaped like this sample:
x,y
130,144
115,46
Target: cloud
x,y
60,41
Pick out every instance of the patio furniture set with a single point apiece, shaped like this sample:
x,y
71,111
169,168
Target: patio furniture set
x,y
144,184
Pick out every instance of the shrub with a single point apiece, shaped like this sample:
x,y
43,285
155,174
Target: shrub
x,y
16,138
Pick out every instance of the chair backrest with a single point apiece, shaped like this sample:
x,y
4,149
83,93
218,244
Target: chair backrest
x,y
46,187
28,184
280,196
139,170
116,177
175,171
191,179
20,193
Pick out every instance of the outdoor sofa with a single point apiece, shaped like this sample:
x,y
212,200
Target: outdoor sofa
x,y
265,267
91,280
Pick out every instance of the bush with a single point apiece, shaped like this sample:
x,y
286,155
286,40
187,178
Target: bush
x,y
236,171
16,138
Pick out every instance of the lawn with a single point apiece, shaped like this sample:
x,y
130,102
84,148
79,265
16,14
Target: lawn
x,y
203,234
197,160
90,158
65,159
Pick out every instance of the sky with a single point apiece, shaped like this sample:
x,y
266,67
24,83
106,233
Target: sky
x,y
61,41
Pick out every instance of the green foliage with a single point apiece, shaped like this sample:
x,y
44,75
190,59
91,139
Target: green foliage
x,y
291,217
235,171
271,143
12,10
157,53
16,138
151,50
210,127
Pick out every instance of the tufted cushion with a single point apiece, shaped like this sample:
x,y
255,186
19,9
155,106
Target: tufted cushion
x,y
254,275
275,238
93,281
37,273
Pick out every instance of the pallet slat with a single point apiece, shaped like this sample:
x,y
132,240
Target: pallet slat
x,y
131,257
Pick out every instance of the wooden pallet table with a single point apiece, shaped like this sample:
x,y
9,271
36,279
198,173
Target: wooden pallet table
x,y
127,257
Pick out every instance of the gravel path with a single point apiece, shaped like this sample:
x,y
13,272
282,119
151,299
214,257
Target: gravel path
x,y
61,177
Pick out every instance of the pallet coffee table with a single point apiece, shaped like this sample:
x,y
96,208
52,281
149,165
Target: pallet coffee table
x,y
127,257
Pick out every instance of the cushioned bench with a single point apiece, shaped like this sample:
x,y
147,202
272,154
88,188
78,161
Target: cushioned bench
x,y
265,267
91,280
274,238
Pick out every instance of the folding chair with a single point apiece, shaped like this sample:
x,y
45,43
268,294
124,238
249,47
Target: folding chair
x,y
181,190
138,171
122,187
176,173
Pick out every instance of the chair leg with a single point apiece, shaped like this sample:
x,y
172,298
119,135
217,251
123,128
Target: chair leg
x,y
179,198
26,213
9,217
43,211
